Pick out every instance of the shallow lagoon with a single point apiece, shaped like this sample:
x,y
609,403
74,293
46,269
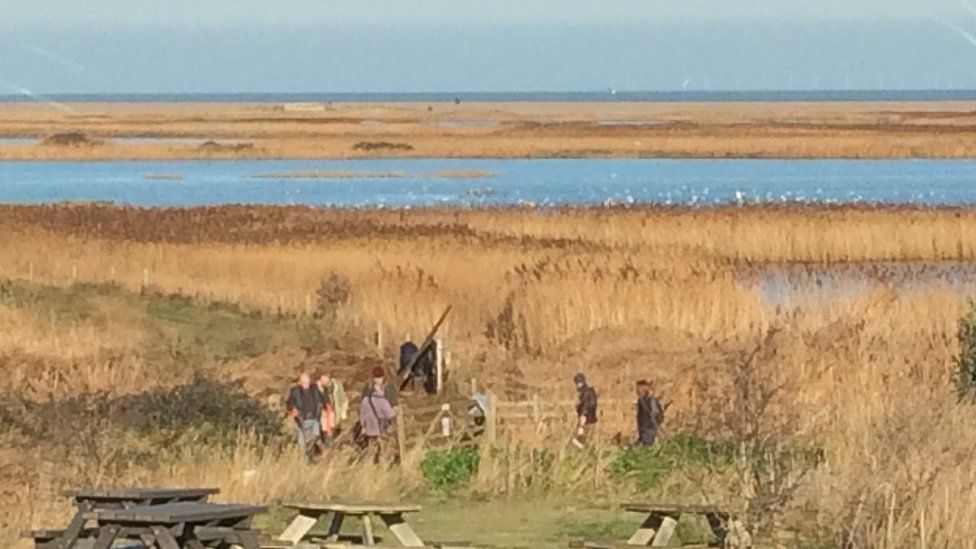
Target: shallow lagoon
x,y
425,182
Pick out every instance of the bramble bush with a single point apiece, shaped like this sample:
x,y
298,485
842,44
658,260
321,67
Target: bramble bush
x,y
447,469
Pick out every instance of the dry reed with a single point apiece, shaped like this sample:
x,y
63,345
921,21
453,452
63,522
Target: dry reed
x,y
619,293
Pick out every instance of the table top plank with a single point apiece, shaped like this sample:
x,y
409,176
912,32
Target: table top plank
x,y
174,513
127,494
675,508
353,507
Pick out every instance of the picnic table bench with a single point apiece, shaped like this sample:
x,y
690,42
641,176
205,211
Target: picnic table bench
x,y
189,525
89,500
661,519
390,514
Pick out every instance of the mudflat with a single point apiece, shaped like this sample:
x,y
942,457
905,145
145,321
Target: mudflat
x,y
115,131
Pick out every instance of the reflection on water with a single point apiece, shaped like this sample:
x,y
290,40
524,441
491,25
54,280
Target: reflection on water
x,y
630,122
17,141
791,285
485,123
156,140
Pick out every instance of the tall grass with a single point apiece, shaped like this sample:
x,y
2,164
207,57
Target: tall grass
x,y
864,378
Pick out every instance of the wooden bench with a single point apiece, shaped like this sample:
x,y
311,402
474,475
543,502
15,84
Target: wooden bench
x,y
190,525
88,500
661,519
390,514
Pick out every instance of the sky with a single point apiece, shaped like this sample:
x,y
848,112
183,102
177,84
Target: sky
x,y
223,46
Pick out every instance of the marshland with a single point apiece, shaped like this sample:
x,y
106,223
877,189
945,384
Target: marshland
x,y
513,129
147,345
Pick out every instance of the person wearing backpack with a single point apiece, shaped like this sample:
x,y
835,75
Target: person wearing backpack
x,y
650,414
376,415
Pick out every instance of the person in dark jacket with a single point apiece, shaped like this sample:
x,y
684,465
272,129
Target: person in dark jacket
x,y
650,414
422,367
305,405
586,411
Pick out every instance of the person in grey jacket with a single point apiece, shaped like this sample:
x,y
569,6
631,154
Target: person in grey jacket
x,y
376,416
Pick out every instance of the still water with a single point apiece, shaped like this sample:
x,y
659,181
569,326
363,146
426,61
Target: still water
x,y
398,183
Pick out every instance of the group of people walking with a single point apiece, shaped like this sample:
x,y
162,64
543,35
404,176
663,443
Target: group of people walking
x,y
649,413
319,409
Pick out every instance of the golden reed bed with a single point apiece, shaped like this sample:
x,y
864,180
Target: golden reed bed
x,y
494,130
620,293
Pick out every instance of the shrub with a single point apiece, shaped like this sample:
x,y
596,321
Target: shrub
x,y
649,466
446,469
332,294
965,375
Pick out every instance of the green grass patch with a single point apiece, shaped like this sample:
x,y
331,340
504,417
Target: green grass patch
x,y
222,331
448,469
648,467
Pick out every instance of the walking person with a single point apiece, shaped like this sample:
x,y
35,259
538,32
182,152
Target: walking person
x,y
375,417
586,412
327,388
650,414
390,390
305,406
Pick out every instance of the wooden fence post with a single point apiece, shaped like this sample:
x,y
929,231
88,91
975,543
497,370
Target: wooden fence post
x,y
536,410
401,431
30,272
379,335
491,418
74,274
440,366
308,304
145,277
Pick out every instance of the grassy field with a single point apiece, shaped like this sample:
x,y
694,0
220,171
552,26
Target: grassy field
x,y
93,131
821,420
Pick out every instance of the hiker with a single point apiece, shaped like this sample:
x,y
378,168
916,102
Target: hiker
x,y
375,417
585,411
390,390
326,388
305,406
650,414
422,367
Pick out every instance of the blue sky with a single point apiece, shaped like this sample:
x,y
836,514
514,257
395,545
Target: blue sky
x,y
63,46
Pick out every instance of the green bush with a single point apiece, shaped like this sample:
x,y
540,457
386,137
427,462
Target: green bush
x,y
446,469
648,467
965,375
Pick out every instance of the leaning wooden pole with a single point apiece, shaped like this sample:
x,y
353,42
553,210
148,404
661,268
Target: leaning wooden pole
x,y
423,348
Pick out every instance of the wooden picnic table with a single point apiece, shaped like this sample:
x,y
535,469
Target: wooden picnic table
x,y
391,514
661,519
89,500
182,525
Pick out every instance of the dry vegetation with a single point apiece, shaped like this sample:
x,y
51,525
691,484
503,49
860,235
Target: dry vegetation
x,y
863,382
493,130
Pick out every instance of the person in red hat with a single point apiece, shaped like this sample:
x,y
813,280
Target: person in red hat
x,y
390,390
376,415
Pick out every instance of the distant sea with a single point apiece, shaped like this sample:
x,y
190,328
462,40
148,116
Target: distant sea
x,y
621,96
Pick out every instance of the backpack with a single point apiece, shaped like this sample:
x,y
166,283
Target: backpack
x,y
657,411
